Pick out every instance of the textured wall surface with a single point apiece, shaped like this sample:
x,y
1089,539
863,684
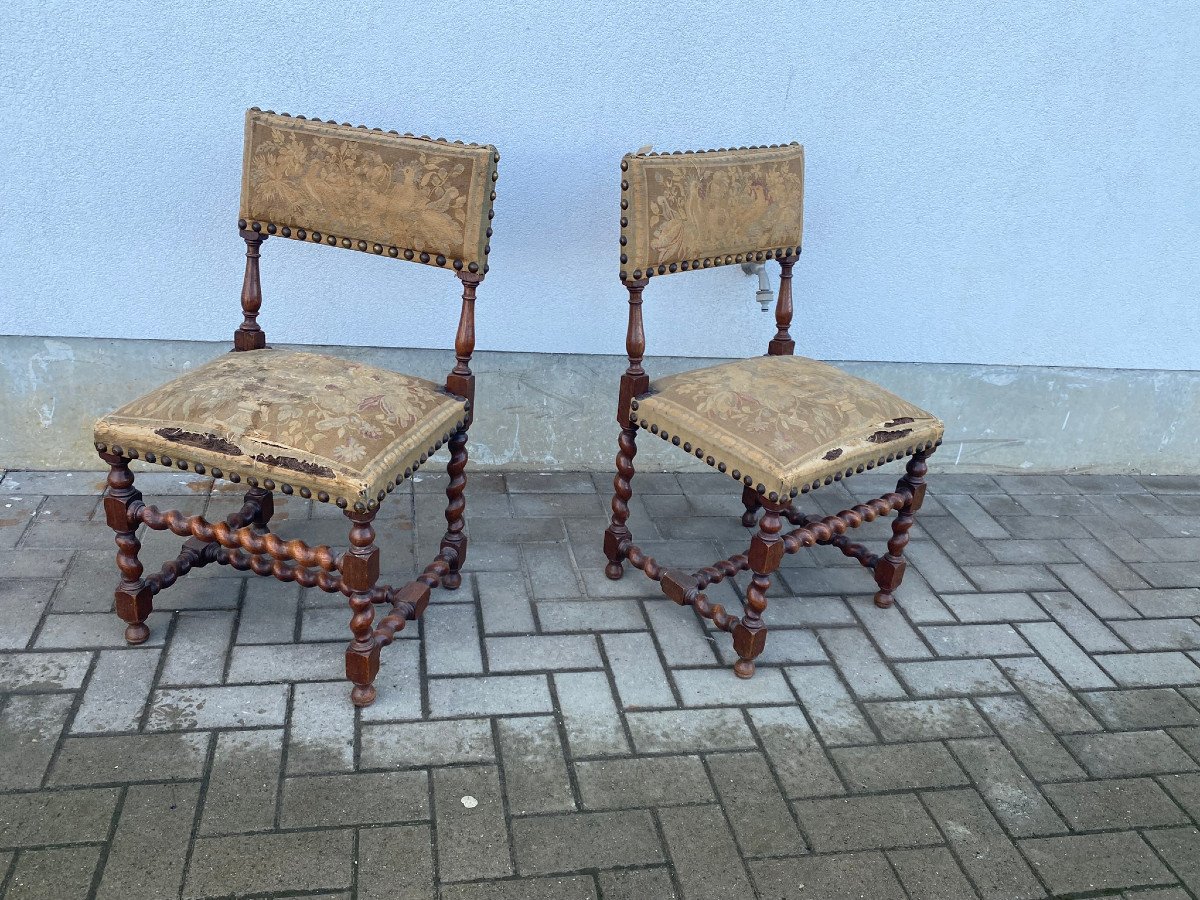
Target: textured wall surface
x,y
1006,183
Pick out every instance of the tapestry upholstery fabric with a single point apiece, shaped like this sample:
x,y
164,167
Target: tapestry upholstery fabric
x,y
698,207
343,185
784,422
329,426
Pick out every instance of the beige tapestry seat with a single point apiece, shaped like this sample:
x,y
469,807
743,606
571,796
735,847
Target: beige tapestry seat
x,y
322,426
785,422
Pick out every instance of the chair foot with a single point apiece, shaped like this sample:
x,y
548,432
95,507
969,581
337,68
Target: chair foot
x,y
452,581
614,571
137,633
362,695
744,668
884,599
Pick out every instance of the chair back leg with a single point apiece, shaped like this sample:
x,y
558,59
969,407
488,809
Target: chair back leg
x,y
766,553
455,539
617,536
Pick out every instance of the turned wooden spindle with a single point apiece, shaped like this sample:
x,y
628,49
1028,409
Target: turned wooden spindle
x,y
461,381
249,335
782,344
766,553
122,508
889,569
360,570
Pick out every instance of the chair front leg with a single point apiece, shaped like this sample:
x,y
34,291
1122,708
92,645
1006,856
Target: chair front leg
x,y
617,534
133,596
889,570
264,503
766,553
455,539
751,501
360,571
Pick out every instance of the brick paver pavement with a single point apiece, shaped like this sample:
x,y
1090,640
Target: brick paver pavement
x,y
1026,722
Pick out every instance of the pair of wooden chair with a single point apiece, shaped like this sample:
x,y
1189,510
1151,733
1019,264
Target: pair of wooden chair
x,y
345,433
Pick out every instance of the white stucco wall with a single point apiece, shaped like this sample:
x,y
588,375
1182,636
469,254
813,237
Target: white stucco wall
x,y
987,182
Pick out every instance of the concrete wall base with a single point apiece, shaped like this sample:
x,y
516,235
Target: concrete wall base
x,y
557,412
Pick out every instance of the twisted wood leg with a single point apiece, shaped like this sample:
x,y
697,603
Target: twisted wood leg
x,y
766,553
455,540
889,569
133,596
617,535
751,502
360,570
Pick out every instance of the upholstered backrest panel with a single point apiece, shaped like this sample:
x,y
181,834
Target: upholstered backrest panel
x,y
693,210
365,189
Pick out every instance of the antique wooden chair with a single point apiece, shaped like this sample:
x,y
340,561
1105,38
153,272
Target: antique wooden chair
x,y
780,425
302,423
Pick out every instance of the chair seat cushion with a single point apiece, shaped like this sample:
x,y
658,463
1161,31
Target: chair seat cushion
x,y
323,426
784,423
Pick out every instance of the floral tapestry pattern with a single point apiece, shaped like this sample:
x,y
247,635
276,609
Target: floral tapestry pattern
x,y
403,192
705,205
307,414
781,418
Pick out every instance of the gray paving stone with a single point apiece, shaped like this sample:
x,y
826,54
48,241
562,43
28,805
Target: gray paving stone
x,y
930,873
639,676
1148,708
553,887
1149,669
1091,862
841,876
590,615
1155,603
1159,634
384,874
218,707
321,736
274,663
981,846
1065,656
269,612
1098,596
679,635
897,766
801,765
889,629
43,671
1118,803
22,603
757,813
56,817
1128,753
153,815
920,603
593,725
1176,574
29,729
1078,621
504,599
363,798
785,646
1034,551
972,516
61,873
574,841
974,640
472,841
489,695
720,687
270,863
198,648
1180,847
535,767
704,855
642,781
109,759
926,720
937,568
1013,797
1052,699
408,744
866,823
865,672
399,684
952,677
689,730
452,640
994,607
243,782
541,652
829,705
637,884
1030,741
117,693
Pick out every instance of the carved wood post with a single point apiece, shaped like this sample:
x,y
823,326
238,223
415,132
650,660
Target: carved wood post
x,y
250,335
455,539
360,570
751,501
122,502
461,381
766,553
634,383
782,344
889,570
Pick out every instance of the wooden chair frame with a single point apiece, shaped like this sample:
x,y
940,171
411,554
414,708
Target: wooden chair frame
x,y
244,540
768,546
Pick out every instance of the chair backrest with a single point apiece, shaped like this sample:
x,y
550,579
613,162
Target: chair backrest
x,y
693,210
380,192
